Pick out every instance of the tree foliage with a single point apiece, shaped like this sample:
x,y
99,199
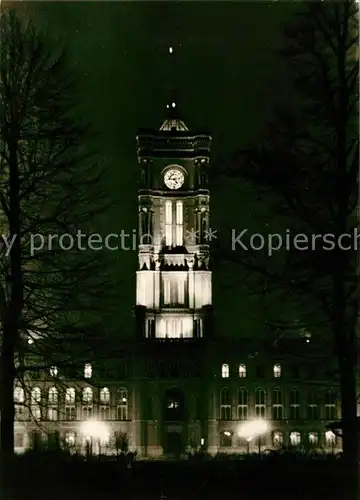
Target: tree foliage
x,y
306,170
55,291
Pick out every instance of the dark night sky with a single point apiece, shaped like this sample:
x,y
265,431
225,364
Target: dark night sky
x,y
227,76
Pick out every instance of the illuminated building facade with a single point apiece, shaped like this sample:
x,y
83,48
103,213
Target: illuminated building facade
x,y
179,384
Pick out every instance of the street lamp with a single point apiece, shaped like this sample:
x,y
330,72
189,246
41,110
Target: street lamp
x,y
253,429
96,431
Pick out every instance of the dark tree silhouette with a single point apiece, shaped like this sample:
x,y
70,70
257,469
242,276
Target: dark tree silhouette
x,y
54,294
306,170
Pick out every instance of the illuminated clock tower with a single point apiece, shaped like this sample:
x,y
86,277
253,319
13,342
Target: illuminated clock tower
x,y
173,287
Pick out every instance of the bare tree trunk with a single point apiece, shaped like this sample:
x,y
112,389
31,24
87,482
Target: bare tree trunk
x,y
12,316
7,403
350,432
347,360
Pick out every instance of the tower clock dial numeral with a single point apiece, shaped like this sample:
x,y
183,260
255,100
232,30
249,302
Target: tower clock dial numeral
x,y
174,178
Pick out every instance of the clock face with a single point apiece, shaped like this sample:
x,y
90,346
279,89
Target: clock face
x,y
174,178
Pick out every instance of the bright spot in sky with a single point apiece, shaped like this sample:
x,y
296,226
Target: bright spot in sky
x,y
171,50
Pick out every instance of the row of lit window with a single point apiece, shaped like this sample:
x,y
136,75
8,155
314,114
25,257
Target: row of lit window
x,y
70,439
70,414
278,438
87,371
225,370
70,395
278,412
277,396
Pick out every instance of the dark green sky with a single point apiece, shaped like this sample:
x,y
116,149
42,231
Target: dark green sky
x,y
228,76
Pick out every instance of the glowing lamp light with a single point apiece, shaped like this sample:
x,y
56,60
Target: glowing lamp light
x,y
330,436
227,433
171,50
173,104
249,430
95,430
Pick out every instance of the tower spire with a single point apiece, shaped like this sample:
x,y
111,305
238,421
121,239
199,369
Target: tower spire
x,y
172,123
171,106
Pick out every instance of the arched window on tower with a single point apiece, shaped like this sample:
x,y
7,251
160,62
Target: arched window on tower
x,y
225,406
179,223
168,223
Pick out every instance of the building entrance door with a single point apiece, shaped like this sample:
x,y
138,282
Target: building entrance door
x,y
173,444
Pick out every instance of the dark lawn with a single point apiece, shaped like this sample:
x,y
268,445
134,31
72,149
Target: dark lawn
x,y
49,477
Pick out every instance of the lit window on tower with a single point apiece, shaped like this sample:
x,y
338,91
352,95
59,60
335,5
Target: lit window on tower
x,y
167,291
181,291
179,223
168,224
